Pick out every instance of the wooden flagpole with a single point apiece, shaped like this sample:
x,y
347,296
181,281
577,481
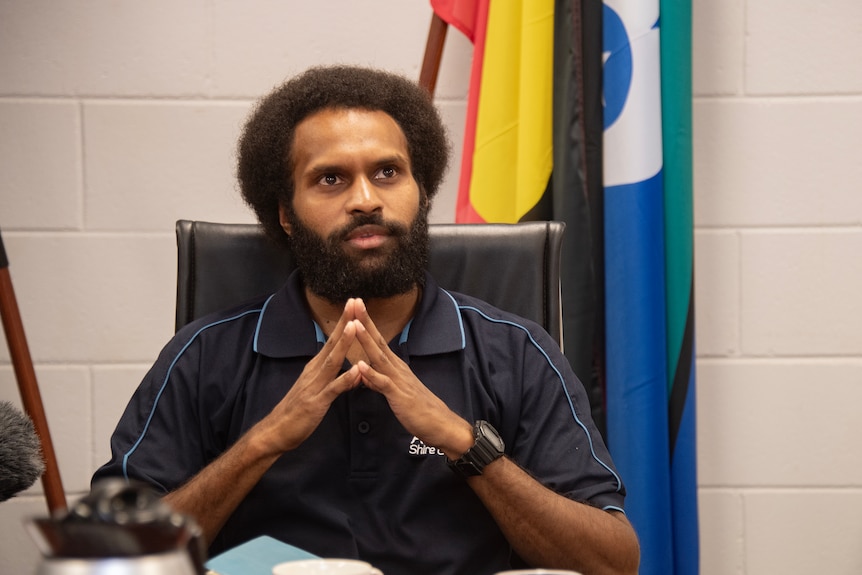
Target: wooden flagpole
x,y
28,386
433,53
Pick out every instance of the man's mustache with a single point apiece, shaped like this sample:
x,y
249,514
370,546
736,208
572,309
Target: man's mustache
x,y
393,228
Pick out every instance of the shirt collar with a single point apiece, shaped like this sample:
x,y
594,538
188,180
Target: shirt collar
x,y
286,328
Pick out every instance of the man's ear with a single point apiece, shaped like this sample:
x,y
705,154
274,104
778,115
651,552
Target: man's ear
x,y
424,198
283,219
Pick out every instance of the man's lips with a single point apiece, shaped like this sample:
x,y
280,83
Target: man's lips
x,y
367,237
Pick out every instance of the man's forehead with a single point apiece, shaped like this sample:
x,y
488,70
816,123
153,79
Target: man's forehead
x,y
335,128
345,111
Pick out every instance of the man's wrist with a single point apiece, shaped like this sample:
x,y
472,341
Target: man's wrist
x,y
463,441
262,442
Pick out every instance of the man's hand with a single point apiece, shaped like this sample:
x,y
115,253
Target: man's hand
x,y
422,413
216,491
544,527
301,410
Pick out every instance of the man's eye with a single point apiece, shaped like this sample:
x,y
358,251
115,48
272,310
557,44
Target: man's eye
x,y
387,172
329,179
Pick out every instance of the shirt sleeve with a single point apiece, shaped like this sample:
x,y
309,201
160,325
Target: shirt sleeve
x,y
556,439
160,439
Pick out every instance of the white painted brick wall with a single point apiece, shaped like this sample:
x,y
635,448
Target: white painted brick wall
x,y
148,163
45,193
777,118
794,161
801,292
803,47
116,119
802,531
93,297
778,423
717,285
116,49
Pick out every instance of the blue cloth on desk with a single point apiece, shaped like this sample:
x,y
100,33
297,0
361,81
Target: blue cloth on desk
x,y
256,557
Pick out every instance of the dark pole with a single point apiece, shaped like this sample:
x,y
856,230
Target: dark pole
x,y
28,386
433,54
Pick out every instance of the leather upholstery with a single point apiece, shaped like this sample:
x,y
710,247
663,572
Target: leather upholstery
x,y
515,267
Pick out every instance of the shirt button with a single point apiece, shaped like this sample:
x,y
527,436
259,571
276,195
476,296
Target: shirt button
x,y
363,427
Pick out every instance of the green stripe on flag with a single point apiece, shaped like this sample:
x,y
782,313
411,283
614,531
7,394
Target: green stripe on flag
x,y
676,138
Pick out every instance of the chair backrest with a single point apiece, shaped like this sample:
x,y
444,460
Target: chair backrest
x,y
515,267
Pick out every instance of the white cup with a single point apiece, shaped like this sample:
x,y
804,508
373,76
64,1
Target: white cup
x,y
325,566
538,572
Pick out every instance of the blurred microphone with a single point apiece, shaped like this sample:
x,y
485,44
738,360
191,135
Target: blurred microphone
x,y
21,461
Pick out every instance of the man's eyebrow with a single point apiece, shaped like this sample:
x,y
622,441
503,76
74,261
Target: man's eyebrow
x,y
330,168
400,161
393,159
322,169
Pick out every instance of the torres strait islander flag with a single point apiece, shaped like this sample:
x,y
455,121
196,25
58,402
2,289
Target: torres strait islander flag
x,y
523,132
648,275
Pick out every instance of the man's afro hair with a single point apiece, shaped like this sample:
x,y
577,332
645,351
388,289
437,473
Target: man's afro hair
x,y
264,168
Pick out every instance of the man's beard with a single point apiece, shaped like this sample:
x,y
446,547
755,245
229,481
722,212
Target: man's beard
x,y
333,274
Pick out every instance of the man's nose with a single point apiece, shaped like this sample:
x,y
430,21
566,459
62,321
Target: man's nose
x,y
364,196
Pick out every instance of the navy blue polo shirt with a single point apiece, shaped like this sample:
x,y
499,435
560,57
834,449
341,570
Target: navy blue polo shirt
x,y
361,485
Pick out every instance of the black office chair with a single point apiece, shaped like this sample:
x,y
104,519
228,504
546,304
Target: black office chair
x,y
515,267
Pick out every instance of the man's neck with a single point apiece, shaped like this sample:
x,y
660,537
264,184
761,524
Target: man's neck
x,y
390,315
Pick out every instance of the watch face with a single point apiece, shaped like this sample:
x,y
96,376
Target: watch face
x,y
494,439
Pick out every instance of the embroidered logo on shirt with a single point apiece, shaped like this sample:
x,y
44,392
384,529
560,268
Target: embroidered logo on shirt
x,y
418,447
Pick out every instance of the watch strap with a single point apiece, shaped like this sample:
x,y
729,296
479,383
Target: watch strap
x,y
486,448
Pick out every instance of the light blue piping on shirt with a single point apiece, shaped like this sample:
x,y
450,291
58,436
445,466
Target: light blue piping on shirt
x,y
259,321
321,337
318,333
562,382
405,332
460,321
165,384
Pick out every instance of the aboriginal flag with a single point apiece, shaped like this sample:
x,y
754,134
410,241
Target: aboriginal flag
x,y
532,144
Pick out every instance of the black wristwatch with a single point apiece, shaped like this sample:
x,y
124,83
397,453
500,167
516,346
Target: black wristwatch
x,y
487,448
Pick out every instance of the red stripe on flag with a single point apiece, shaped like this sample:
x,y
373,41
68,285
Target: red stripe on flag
x,y
459,13
464,211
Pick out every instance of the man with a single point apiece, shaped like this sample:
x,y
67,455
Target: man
x,y
362,411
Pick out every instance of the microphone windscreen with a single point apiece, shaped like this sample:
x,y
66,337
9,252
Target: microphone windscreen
x,y
21,461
